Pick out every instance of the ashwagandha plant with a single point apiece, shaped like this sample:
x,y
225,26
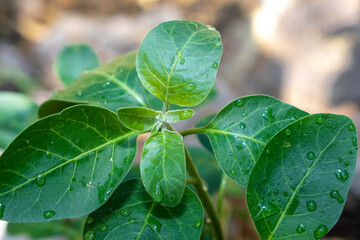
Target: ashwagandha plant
x,y
297,167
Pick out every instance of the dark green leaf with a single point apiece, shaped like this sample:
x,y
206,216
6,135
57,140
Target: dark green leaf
x,y
17,111
163,167
139,118
174,116
73,60
240,131
202,138
131,214
112,85
299,184
178,60
65,165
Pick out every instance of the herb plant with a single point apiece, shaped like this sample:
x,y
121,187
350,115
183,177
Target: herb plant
x,y
297,167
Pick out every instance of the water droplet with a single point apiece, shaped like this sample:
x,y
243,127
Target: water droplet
x,y
330,125
90,235
243,114
341,175
351,152
132,220
218,44
124,212
159,192
51,142
351,127
336,195
198,223
232,171
311,205
346,163
310,155
154,224
354,141
27,142
300,229
320,119
240,102
108,194
211,28
71,189
269,192
191,86
89,220
2,210
40,180
268,116
266,210
301,123
242,125
288,132
49,214
320,231
215,65
103,227
268,151
287,144
79,93
186,114
182,61
292,119
230,153
107,83
48,155
192,26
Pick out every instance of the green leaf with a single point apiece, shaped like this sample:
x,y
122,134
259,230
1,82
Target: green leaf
x,y
73,60
240,131
17,111
178,60
112,85
65,165
298,187
131,214
163,167
174,116
139,118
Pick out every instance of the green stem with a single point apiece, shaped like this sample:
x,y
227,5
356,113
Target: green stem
x,y
221,194
166,107
204,197
192,131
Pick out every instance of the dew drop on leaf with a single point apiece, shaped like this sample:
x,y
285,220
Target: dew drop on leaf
x,y
300,229
49,214
217,44
269,192
230,153
107,83
182,61
2,210
89,220
40,180
191,86
346,163
125,212
215,65
103,227
79,93
243,114
351,127
330,125
268,151
320,119
351,152
265,211
232,171
48,155
310,155
240,102
154,224
132,220
198,223
311,205
211,28
354,141
320,231
288,132
336,195
268,116
341,175
90,235
242,125
159,192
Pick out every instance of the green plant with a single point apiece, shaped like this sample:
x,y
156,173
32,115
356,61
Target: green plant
x,y
297,167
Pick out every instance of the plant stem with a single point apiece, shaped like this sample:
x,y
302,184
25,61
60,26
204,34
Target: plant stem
x,y
166,107
192,131
204,197
221,194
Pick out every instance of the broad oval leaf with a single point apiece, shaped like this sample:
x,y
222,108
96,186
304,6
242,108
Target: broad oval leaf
x,y
240,131
73,60
139,118
299,184
131,213
175,116
162,167
178,60
112,85
65,165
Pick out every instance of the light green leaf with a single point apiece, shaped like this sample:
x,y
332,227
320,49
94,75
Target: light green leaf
x,y
298,187
130,213
72,60
240,131
163,167
139,118
178,60
65,165
174,116
17,111
112,85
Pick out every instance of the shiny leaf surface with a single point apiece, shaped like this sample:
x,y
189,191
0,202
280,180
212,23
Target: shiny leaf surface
x,y
175,116
139,118
299,184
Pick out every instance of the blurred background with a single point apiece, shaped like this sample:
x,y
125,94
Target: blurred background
x,y
304,52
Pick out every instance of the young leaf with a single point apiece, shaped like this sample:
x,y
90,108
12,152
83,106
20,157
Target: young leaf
x,y
240,131
299,184
174,116
73,60
139,118
112,85
65,165
178,60
130,213
163,167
